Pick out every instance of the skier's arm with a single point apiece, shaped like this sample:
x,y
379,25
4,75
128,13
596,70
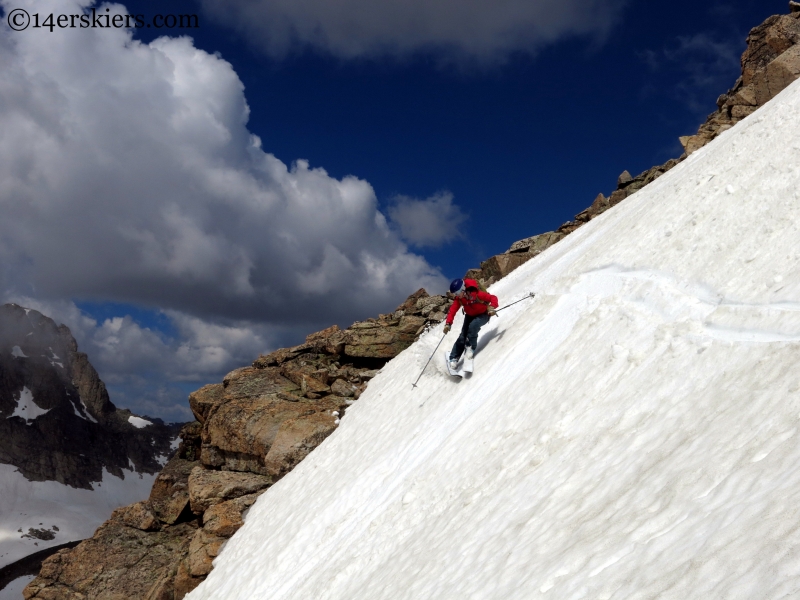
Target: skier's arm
x,y
488,298
451,314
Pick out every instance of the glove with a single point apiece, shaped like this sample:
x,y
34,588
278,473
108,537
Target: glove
x,y
446,328
492,312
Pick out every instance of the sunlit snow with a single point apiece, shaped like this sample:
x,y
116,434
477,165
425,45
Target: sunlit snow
x,y
632,432
87,413
138,422
27,408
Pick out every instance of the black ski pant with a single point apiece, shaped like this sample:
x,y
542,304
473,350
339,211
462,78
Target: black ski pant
x,y
469,334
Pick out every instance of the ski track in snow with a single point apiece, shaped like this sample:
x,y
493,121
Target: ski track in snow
x,y
631,432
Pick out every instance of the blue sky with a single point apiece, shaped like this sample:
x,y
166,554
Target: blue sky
x,y
441,145
523,145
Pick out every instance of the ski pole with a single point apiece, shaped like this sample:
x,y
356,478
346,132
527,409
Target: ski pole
x,y
530,295
429,361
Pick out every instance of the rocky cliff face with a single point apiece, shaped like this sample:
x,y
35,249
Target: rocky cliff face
x,y
56,420
262,420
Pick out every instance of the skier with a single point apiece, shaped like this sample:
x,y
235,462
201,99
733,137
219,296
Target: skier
x,y
479,307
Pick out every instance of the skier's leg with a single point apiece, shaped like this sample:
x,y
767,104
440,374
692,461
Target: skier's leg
x,y
458,347
473,329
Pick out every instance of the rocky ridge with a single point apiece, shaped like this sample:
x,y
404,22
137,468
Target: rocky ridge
x,y
262,420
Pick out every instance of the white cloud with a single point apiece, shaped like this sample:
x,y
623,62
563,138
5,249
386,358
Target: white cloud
x,y
142,367
458,29
431,222
127,173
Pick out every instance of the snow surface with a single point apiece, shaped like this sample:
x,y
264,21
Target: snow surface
x,y
13,591
17,352
42,504
27,408
632,432
86,411
138,422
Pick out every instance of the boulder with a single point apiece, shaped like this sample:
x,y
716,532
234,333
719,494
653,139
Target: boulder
x,y
225,519
343,388
378,339
203,400
250,382
203,549
240,432
138,516
169,495
296,439
624,179
207,488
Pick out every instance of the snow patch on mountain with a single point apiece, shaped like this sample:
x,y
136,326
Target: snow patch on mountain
x,y
26,407
17,352
138,422
631,432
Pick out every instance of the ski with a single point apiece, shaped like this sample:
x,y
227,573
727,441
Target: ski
x,y
457,373
469,364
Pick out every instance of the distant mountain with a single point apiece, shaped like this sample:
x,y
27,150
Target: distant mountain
x,y
68,456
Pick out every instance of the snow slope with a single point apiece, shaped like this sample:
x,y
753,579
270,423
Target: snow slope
x,y
76,513
630,433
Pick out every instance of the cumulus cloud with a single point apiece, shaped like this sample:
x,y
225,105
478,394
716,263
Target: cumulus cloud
x,y
128,174
431,222
151,372
459,29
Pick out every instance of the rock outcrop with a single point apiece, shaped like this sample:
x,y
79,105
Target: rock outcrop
x,y
251,430
262,420
770,63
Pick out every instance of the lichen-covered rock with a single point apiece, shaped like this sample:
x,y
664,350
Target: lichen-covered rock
x,y
240,432
117,562
377,339
225,519
138,516
249,382
296,439
169,495
341,387
203,549
203,400
207,487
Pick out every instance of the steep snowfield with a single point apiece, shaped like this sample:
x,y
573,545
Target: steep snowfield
x,y
76,513
630,433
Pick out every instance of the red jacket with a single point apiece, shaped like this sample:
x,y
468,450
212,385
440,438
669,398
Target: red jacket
x,y
474,303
